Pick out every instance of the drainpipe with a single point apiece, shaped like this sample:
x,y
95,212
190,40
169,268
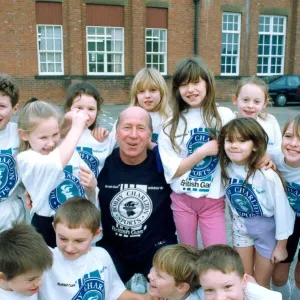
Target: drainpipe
x,y
247,38
196,27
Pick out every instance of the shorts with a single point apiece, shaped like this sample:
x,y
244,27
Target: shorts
x,y
292,243
255,231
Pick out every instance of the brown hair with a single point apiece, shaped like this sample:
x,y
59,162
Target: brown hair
x,y
78,212
9,87
84,88
179,261
22,249
220,258
296,126
190,70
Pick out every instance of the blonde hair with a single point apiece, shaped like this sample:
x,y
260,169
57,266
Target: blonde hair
x,y
179,261
148,78
31,115
190,70
258,82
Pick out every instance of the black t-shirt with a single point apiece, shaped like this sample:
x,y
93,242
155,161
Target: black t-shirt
x,y
135,204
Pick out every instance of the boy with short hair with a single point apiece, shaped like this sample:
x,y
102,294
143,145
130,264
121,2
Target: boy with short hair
x,y
24,256
11,203
80,271
221,275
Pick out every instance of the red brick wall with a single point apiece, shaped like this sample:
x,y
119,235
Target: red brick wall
x,y
18,54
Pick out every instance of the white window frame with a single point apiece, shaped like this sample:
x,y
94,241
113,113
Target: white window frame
x,y
152,53
230,34
270,57
48,52
104,38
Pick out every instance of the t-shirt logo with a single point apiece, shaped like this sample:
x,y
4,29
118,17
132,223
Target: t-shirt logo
x,y
154,137
243,198
294,196
91,287
67,189
131,208
8,173
92,161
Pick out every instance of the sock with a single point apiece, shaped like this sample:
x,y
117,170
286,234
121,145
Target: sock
x,y
295,293
285,290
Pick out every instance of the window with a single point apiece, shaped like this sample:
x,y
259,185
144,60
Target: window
x,y
231,31
105,50
156,49
50,49
271,45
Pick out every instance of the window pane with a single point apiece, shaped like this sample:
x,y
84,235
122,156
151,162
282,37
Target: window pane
x,y
58,67
57,44
57,32
91,46
91,30
50,45
50,57
57,57
49,31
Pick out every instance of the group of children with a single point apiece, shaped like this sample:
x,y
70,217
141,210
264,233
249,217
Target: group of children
x,y
207,153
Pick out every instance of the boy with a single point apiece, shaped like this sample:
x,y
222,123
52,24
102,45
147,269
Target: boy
x,y
222,276
11,204
80,271
24,256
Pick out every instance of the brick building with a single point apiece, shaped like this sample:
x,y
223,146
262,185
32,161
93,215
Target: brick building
x,y
47,45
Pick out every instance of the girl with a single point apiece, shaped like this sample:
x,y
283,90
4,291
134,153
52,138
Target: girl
x,y
174,274
85,97
288,163
251,97
49,170
262,216
189,149
149,91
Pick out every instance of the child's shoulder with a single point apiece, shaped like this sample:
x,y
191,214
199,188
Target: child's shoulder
x,y
270,175
226,114
256,292
266,117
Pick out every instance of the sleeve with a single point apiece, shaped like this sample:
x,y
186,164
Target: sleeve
x,y
254,291
283,213
226,114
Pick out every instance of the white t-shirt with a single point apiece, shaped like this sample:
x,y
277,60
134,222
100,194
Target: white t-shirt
x,y
12,295
11,191
262,196
204,179
157,124
91,276
48,184
291,177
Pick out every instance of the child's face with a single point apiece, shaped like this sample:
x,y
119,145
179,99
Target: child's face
x,y
27,283
149,98
162,284
220,286
290,147
88,104
73,243
239,150
44,137
250,102
193,93
6,111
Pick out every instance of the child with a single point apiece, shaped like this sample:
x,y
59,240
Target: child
x,y
84,96
222,276
49,170
189,149
288,163
11,203
24,256
174,274
79,270
262,216
149,91
251,97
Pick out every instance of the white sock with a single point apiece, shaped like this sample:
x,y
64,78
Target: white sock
x,y
295,293
285,290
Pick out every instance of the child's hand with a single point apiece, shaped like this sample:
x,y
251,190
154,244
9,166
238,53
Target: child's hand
x,y
279,254
100,134
87,178
210,148
266,163
28,201
79,119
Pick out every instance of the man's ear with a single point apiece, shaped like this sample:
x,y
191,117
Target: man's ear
x,y
15,108
183,288
23,135
234,99
99,230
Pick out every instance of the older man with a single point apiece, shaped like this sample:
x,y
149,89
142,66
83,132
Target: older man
x,y
134,198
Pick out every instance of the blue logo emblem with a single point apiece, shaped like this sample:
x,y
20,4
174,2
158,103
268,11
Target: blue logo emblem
x,y
67,189
8,173
154,137
294,196
92,161
91,287
243,199
201,175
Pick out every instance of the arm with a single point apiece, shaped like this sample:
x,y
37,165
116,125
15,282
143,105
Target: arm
x,y
279,253
128,295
